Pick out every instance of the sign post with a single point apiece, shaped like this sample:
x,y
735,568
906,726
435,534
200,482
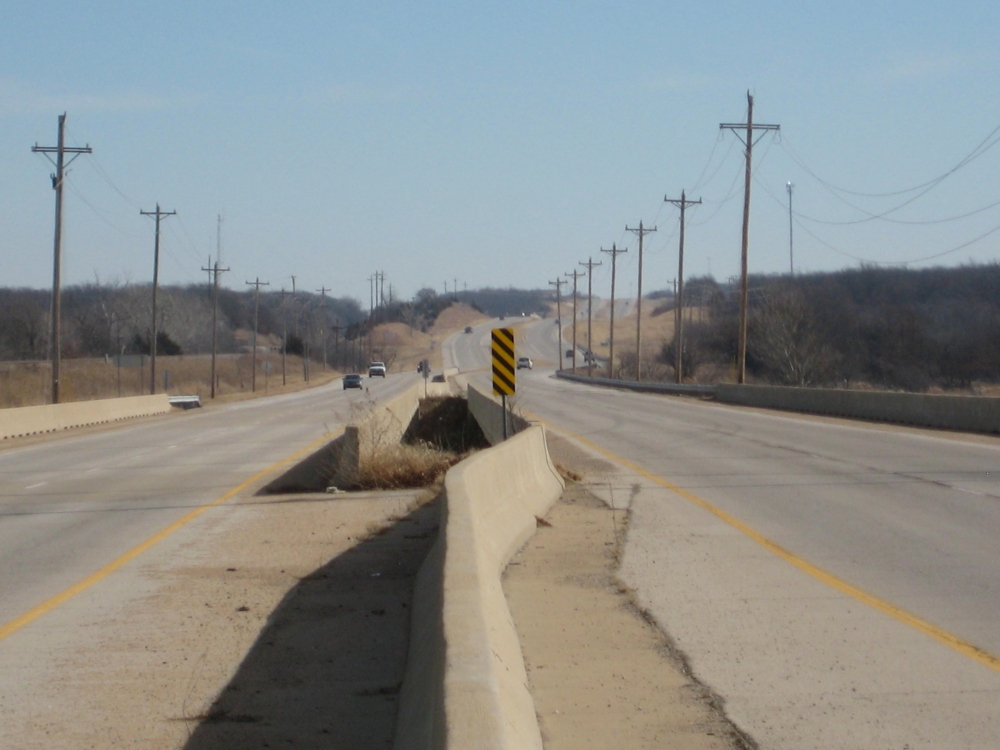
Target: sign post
x,y
504,369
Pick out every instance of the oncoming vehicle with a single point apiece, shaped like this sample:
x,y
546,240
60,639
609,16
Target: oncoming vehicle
x,y
376,369
525,363
352,381
468,329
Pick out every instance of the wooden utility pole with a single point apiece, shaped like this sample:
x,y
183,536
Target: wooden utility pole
x,y
322,291
213,274
284,337
791,256
679,289
641,232
336,328
558,285
748,142
257,284
60,163
590,313
615,252
157,214
575,275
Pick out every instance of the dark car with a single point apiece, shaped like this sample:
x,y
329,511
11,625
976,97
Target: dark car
x,y
353,381
468,329
569,353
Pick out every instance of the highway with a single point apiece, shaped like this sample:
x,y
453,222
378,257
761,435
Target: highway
x,y
73,505
837,584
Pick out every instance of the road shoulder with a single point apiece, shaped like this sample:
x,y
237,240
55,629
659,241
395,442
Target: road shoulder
x,y
601,672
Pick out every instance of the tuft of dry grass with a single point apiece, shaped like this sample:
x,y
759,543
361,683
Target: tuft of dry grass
x,y
388,467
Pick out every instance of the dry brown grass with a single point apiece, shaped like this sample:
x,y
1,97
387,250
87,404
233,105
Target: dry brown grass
x,y
30,383
399,466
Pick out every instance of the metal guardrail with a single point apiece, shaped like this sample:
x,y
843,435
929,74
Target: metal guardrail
x,y
185,402
686,389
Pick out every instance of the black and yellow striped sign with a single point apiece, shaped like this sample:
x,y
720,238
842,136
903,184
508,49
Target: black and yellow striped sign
x,y
504,368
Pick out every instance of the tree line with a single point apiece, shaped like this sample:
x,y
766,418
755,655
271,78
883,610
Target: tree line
x,y
105,319
896,329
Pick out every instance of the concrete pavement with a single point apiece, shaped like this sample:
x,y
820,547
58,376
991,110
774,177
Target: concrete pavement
x,y
910,519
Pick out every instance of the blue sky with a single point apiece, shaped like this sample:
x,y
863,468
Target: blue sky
x,y
493,143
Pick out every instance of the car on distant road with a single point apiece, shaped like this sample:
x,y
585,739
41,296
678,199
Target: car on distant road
x,y
569,353
376,370
524,363
352,381
468,329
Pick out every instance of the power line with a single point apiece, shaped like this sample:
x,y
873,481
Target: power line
x,y
983,146
860,259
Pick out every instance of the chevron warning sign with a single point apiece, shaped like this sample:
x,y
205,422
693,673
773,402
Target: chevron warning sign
x,y
504,380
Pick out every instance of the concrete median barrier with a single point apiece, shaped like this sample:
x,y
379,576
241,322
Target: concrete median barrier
x,y
32,420
966,413
465,683
488,412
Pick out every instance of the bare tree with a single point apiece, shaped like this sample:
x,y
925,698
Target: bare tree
x,y
785,341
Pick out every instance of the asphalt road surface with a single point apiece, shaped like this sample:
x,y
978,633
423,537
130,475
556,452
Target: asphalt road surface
x,y
71,506
836,583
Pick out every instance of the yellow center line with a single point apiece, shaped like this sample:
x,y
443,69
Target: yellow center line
x,y
908,618
34,613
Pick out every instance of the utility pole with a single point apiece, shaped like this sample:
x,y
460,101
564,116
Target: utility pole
x,y
615,252
213,274
590,313
371,296
791,256
679,293
641,232
322,291
558,285
748,142
284,337
60,164
257,284
576,275
336,328
295,312
157,214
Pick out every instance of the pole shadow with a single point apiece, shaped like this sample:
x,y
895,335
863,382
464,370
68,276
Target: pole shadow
x,y
326,669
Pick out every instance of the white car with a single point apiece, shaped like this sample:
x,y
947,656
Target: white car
x,y
524,362
376,369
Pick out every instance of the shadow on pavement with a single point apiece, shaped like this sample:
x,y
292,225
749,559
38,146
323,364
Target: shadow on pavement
x,y
327,668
